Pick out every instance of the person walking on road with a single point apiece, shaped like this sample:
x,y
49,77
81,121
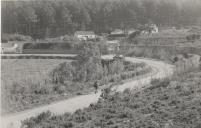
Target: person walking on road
x,y
96,87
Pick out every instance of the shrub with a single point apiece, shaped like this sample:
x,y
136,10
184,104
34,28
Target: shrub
x,y
15,37
60,89
147,108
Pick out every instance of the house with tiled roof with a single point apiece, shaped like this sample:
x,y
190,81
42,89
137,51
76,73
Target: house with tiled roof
x,y
85,35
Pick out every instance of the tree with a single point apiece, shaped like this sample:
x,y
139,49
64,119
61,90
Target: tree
x,y
9,17
49,18
62,18
64,72
89,63
46,14
27,18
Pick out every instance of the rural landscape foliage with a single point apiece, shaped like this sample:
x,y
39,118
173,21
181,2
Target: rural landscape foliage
x,y
40,19
168,103
63,78
44,61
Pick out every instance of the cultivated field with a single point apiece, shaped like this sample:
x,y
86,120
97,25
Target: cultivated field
x,y
26,82
24,71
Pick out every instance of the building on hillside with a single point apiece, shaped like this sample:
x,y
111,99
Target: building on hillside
x,y
154,28
150,29
85,35
130,31
126,31
117,31
9,48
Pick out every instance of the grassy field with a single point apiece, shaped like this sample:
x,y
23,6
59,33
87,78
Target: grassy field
x,y
23,70
25,83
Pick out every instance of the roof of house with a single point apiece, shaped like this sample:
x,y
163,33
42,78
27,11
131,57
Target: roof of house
x,y
117,31
84,33
113,42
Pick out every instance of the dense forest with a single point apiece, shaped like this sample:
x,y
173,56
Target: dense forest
x,y
52,18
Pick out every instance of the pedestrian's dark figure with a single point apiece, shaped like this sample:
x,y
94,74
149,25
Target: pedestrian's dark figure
x,y
96,86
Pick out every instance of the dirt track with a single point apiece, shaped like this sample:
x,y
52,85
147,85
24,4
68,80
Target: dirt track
x,y
79,102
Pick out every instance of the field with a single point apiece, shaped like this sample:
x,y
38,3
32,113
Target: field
x,y
22,81
23,70
27,83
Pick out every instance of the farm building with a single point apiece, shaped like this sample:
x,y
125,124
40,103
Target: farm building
x,y
120,32
9,48
151,29
154,28
85,35
117,31
130,31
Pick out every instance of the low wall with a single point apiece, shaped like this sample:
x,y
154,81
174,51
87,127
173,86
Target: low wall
x,y
50,51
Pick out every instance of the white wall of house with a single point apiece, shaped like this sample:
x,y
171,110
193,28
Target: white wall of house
x,y
85,37
13,49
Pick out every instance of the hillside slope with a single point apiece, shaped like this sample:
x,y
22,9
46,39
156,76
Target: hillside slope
x,y
174,103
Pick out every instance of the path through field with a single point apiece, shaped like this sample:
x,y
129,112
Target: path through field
x,y
80,102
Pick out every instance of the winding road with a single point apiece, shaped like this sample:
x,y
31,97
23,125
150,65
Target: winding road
x,y
162,70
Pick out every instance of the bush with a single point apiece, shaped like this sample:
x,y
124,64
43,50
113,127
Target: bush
x,y
15,37
193,37
156,107
157,83
60,89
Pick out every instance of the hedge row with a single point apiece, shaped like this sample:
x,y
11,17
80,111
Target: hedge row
x,y
47,46
50,51
38,57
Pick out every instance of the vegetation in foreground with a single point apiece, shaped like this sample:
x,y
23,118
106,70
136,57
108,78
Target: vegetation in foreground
x,y
169,103
35,82
25,83
89,67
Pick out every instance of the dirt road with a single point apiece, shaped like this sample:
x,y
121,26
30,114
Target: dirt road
x,y
80,102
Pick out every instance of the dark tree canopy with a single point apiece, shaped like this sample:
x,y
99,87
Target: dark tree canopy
x,y
53,18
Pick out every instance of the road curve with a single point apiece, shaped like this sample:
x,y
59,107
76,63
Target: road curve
x,y
80,102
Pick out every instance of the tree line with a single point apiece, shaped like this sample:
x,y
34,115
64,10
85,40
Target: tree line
x,y
41,19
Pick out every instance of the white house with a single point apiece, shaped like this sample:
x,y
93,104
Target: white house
x,y
9,48
154,28
117,31
149,29
130,31
85,35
